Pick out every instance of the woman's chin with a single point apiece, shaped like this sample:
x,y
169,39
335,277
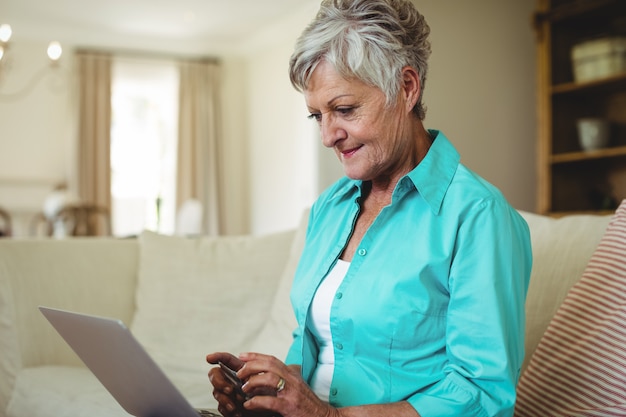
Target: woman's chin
x,y
354,175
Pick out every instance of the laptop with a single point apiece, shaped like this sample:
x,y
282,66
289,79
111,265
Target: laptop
x,y
122,365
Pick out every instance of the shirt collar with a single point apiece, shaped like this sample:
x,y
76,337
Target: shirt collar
x,y
434,174
431,177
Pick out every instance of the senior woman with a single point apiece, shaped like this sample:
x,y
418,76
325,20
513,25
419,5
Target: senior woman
x,y
410,291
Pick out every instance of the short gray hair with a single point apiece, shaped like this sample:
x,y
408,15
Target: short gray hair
x,y
370,40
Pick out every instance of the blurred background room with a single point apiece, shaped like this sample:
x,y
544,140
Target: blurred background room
x,y
179,117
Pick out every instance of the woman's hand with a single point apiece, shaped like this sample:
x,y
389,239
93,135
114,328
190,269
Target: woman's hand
x,y
272,385
274,389
228,396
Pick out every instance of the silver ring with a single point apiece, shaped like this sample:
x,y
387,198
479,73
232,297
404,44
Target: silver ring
x,y
281,385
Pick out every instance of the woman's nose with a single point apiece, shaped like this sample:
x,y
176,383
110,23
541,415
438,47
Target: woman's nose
x,y
331,132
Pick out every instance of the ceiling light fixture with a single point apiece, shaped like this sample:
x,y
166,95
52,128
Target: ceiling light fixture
x,y
54,51
5,36
54,54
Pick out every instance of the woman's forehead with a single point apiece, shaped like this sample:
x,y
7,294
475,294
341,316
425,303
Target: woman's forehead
x,y
326,84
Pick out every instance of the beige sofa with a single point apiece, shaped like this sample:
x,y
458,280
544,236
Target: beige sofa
x,y
185,297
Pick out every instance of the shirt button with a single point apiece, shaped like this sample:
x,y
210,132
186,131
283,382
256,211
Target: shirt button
x,y
333,391
339,346
362,252
339,295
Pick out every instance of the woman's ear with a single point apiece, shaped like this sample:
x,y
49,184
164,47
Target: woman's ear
x,y
411,86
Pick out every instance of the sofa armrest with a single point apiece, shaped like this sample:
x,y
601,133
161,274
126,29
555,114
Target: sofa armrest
x,y
92,275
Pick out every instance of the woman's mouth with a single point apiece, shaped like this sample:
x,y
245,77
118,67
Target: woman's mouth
x,y
347,153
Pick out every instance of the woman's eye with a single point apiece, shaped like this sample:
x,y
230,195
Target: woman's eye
x,y
345,111
315,116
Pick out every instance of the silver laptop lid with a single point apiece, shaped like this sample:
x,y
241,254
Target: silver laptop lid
x,y
116,358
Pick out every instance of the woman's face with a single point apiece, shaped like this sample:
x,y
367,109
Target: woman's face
x,y
372,141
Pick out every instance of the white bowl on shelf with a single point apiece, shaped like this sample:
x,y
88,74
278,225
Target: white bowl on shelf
x,y
593,133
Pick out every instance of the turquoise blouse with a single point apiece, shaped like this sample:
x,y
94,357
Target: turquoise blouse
x,y
431,310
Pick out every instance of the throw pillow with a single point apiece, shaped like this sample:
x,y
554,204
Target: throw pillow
x,y
200,295
579,366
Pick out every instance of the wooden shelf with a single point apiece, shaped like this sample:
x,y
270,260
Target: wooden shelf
x,y
590,86
576,10
557,214
612,152
579,8
569,180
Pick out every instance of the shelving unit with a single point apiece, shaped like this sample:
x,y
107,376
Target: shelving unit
x,y
571,180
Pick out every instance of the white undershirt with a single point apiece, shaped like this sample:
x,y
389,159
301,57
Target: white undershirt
x,y
319,319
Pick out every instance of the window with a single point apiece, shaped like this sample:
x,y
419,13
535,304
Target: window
x,y
144,100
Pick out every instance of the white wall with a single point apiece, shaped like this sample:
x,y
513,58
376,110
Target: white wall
x,y
36,129
481,88
283,142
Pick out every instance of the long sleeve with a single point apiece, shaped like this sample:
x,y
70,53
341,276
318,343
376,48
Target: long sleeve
x,y
485,322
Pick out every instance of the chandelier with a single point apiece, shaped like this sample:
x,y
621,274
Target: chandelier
x,y
54,54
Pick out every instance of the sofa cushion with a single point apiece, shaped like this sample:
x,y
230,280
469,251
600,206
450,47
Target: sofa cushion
x,y
66,391
199,295
276,336
61,391
579,366
561,249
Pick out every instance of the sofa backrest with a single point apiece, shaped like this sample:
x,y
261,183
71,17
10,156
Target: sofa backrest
x,y
561,249
201,295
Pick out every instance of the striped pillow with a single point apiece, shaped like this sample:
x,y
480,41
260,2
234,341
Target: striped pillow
x,y
579,366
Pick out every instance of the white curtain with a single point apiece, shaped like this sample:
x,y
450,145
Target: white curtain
x,y
199,170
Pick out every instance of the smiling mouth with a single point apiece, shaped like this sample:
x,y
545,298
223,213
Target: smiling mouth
x,y
349,152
